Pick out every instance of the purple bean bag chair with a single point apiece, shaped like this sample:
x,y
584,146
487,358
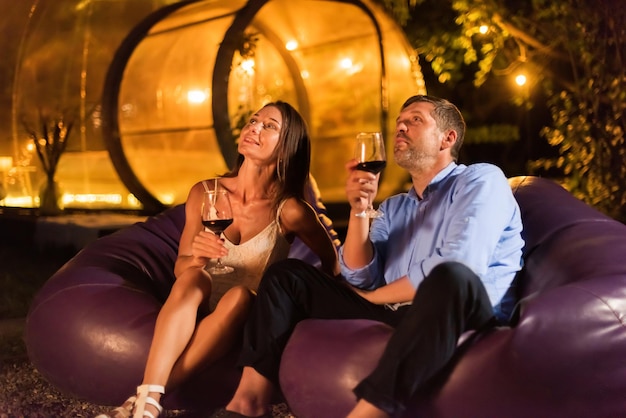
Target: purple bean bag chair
x,y
565,356
89,328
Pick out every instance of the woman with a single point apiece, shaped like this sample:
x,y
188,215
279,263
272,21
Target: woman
x,y
266,190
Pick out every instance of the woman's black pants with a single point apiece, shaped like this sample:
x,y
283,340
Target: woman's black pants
x,y
450,301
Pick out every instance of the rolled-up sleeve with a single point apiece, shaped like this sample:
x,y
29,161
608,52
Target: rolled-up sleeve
x,y
368,277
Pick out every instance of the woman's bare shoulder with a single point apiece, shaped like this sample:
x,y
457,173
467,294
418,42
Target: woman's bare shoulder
x,y
295,211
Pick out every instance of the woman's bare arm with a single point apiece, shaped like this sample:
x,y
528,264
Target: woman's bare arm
x,y
300,219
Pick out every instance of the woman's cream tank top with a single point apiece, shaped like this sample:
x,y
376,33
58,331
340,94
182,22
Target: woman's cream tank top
x,y
250,258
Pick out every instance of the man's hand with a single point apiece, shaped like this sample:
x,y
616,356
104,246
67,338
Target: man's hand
x,y
365,294
360,186
399,291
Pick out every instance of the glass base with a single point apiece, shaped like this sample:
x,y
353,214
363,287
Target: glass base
x,y
370,213
220,269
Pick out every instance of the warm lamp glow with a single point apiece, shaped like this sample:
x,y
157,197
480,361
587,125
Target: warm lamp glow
x,y
91,199
291,45
18,201
6,163
520,79
196,96
133,201
247,66
349,66
483,29
345,63
167,198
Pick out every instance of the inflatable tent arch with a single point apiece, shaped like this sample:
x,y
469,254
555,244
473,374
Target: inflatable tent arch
x,y
179,79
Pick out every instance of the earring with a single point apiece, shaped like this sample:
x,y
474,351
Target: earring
x,y
280,170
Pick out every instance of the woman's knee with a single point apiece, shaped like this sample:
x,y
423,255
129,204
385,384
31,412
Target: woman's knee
x,y
238,296
235,303
192,284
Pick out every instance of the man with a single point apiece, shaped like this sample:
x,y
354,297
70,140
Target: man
x,y
437,264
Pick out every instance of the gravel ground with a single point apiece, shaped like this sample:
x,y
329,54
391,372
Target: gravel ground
x,y
23,391
25,394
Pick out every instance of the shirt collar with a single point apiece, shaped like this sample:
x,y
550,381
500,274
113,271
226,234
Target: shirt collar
x,y
432,186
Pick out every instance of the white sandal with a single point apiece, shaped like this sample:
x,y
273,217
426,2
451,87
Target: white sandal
x,y
143,399
121,411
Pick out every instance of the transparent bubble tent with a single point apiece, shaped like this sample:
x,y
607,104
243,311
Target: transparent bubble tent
x,y
156,91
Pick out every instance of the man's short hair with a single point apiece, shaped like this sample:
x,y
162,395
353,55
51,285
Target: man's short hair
x,y
446,116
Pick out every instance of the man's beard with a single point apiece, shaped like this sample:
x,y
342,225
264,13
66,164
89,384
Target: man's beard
x,y
411,159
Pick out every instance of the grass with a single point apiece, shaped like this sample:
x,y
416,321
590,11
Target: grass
x,y
23,272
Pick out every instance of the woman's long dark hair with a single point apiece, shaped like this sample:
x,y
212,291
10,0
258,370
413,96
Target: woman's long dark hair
x,y
292,155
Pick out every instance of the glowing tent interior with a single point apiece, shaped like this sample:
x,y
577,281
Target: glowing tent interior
x,y
156,90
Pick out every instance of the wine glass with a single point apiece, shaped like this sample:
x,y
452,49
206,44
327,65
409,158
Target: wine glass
x,y
217,215
370,154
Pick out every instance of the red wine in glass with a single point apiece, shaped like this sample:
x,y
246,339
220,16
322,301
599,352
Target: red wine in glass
x,y
370,154
372,166
217,226
217,215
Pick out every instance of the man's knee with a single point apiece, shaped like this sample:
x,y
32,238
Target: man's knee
x,y
451,275
283,274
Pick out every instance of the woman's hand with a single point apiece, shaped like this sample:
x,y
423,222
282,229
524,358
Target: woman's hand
x,y
207,245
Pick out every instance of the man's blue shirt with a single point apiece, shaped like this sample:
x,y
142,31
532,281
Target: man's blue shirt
x,y
467,214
